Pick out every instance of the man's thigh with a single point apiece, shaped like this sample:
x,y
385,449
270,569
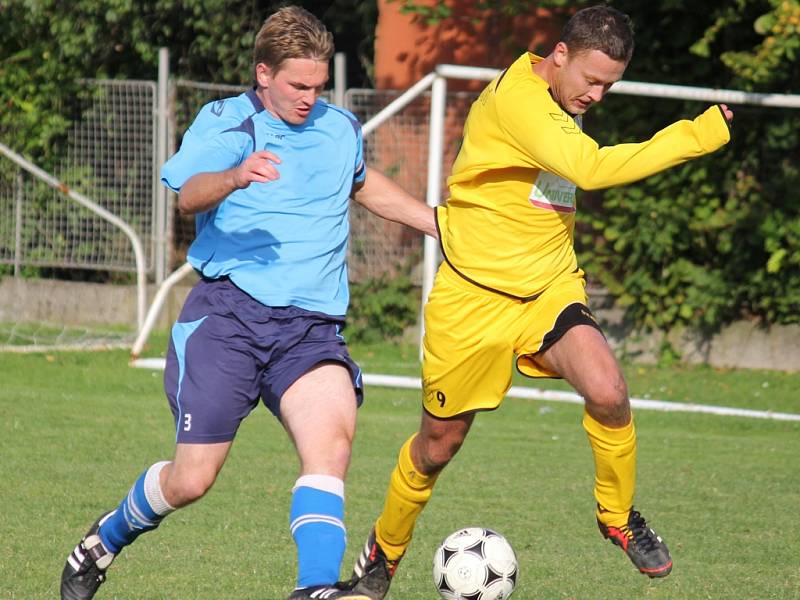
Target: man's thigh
x,y
319,413
467,349
305,340
582,356
548,319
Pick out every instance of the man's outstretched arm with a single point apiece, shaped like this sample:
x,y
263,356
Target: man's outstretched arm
x,y
383,197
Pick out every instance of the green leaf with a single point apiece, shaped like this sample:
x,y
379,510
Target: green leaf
x,y
775,260
764,24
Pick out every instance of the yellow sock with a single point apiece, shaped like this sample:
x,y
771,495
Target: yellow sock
x,y
614,452
409,491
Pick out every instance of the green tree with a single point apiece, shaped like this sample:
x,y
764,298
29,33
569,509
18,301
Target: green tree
x,y
47,46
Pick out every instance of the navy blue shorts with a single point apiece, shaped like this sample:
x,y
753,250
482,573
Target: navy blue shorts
x,y
227,350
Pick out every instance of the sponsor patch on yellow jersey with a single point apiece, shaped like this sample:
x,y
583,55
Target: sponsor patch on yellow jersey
x,y
552,192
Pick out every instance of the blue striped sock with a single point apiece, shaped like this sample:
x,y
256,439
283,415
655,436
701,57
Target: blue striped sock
x,y
136,514
317,524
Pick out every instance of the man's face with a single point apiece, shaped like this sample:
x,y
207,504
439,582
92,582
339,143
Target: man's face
x,y
583,78
290,92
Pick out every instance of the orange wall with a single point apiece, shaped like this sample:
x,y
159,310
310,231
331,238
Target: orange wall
x,y
406,48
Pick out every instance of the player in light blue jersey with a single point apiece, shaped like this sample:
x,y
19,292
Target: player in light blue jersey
x,y
269,175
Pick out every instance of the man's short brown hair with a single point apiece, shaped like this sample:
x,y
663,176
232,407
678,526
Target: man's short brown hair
x,y
600,28
291,32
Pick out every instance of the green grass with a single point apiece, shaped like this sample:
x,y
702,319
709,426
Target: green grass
x,y
78,428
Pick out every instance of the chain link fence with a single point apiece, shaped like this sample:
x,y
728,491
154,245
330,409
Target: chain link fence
x,y
110,159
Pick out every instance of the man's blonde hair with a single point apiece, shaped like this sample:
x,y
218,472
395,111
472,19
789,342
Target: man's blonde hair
x,y
291,32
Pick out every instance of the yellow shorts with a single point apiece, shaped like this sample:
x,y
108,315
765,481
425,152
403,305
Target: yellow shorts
x,y
472,335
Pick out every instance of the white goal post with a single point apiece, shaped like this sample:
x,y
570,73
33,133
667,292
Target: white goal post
x,y
436,82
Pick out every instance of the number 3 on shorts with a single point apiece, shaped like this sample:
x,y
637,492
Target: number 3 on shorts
x,y
187,422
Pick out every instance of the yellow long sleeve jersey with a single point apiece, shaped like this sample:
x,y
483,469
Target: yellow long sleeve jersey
x,y
509,222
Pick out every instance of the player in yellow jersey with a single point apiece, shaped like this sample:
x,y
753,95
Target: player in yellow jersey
x,y
510,284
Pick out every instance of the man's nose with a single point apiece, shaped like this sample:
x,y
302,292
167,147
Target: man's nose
x,y
596,93
309,97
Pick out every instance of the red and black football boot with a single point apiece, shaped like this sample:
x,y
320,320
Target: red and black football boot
x,y
373,572
643,546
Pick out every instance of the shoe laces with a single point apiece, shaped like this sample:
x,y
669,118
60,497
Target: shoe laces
x,y
638,531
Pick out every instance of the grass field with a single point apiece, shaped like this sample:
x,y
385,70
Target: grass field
x,y
78,428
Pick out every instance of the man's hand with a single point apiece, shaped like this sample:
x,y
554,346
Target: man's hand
x,y
204,191
727,112
258,167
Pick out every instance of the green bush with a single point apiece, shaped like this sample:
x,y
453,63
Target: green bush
x,y
714,240
382,308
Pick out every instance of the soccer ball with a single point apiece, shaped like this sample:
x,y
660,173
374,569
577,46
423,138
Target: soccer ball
x,y
475,564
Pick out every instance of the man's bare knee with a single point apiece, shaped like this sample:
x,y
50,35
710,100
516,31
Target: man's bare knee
x,y
434,448
608,402
181,491
438,453
334,460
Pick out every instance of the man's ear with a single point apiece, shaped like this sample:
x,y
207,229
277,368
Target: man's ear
x,y
263,75
560,54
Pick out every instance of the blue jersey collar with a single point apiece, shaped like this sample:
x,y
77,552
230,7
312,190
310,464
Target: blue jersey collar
x,y
255,100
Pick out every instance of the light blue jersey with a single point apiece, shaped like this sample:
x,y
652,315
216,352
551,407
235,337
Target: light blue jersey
x,y
284,242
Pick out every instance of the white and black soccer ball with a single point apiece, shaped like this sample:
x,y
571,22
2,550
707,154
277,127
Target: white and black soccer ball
x,y
475,564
